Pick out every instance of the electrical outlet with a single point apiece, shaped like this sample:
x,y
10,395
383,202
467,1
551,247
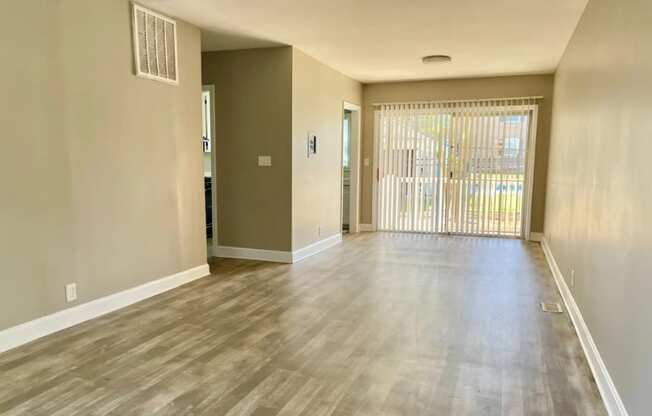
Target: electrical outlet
x,y
319,230
572,279
71,292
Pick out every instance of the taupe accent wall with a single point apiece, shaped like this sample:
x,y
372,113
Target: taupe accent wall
x,y
599,197
100,171
459,89
253,116
318,95
266,101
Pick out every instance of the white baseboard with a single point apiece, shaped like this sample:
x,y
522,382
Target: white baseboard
x,y
29,331
608,391
253,254
316,247
367,227
277,256
536,237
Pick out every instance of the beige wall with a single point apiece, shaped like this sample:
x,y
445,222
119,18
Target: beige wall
x,y
516,86
253,116
318,94
599,194
100,171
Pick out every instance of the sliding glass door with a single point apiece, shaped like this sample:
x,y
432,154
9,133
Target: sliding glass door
x,y
456,167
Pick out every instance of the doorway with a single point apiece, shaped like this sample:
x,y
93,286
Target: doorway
x,y
208,150
350,167
346,171
456,168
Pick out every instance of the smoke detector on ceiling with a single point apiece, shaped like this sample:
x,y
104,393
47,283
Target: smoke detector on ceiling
x,y
436,59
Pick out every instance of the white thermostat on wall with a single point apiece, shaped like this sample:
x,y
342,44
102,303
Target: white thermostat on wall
x,y
312,143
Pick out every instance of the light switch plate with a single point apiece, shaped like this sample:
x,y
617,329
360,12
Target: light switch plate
x,y
71,292
312,143
264,161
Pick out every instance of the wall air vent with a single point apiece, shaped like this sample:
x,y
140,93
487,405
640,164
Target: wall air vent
x,y
155,45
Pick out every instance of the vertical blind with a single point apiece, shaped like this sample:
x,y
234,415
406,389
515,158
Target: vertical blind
x,y
453,167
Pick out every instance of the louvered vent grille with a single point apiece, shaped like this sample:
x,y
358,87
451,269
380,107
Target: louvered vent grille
x,y
155,44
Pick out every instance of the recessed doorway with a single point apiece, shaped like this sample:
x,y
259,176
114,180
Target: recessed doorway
x,y
208,150
350,167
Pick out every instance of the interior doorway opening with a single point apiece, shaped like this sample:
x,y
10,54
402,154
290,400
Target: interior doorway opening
x,y
208,150
350,168
346,171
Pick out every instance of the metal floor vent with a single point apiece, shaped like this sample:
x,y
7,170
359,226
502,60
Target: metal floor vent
x,y
551,307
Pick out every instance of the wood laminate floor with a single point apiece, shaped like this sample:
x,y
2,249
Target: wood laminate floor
x,y
382,324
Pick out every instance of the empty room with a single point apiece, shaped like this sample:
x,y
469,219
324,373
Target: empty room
x,y
314,208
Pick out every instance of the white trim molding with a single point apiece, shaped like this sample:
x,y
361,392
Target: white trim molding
x,y
253,254
275,255
367,227
537,237
316,247
29,331
608,391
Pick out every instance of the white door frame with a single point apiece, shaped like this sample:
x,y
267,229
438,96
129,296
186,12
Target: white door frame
x,y
354,159
211,90
529,173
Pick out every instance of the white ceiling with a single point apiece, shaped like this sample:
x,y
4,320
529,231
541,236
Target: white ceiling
x,y
384,40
